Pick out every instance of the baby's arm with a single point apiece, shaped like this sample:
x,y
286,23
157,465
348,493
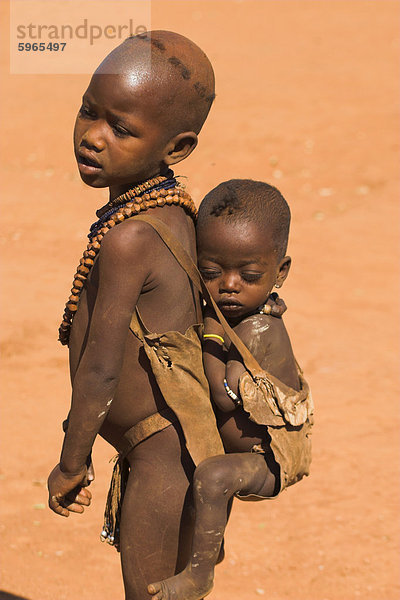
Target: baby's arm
x,y
214,357
97,377
267,339
223,361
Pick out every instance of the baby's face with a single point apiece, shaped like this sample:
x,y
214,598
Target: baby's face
x,y
238,264
119,137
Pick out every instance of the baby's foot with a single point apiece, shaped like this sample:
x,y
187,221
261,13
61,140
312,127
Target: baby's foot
x,y
181,587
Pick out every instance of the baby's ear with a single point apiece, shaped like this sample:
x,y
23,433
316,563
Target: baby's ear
x,y
283,271
180,147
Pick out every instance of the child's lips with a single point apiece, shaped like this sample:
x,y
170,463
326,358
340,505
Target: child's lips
x,y
229,305
87,163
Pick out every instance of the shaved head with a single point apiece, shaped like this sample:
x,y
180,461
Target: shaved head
x,y
175,71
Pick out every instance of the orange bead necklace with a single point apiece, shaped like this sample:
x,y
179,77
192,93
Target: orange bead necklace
x,y
159,191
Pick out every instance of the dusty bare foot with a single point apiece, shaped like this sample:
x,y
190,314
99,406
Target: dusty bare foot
x,y
181,587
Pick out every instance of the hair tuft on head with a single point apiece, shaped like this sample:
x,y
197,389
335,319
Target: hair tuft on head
x,y
250,201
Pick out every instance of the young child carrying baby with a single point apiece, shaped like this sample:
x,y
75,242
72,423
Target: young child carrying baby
x,y
262,402
133,321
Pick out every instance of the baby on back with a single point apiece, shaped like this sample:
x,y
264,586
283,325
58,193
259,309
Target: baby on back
x,y
261,399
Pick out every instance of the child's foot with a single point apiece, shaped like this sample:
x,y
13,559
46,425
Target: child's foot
x,y
181,587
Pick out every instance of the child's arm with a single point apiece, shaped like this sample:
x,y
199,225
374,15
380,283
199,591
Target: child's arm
x,y
120,282
266,338
223,361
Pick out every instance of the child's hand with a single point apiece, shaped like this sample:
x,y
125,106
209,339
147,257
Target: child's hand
x,y
278,306
68,493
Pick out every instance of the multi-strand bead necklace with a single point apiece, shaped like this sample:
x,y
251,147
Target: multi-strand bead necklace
x,y
159,191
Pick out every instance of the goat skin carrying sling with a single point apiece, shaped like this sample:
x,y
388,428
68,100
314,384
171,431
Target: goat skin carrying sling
x,y
287,413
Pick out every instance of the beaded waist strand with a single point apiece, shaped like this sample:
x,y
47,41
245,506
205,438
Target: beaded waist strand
x,y
159,191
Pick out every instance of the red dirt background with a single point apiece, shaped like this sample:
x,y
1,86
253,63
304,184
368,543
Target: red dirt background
x,y
307,99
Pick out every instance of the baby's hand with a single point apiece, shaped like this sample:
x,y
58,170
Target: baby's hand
x,y
68,493
278,306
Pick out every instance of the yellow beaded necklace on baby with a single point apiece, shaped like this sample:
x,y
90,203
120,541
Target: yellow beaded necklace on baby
x,y
158,191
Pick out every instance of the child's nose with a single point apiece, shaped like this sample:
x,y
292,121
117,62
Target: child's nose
x,y
93,138
230,282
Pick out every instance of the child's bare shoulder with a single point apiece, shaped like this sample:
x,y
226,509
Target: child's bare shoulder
x,y
134,234
128,255
260,329
267,339
127,236
132,242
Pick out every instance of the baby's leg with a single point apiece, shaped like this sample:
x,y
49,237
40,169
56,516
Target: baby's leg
x,y
215,482
156,515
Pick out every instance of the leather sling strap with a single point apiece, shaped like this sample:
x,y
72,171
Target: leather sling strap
x,y
146,428
193,273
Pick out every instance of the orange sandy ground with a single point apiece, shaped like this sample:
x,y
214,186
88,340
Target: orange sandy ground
x,y
308,100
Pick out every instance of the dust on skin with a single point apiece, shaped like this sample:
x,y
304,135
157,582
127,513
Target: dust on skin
x,y
259,325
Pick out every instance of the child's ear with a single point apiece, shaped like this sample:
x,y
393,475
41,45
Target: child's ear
x,y
180,147
282,271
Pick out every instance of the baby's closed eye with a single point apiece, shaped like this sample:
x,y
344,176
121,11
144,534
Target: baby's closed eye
x,y
209,273
251,276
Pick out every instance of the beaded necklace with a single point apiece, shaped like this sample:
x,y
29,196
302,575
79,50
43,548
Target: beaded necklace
x,y
158,191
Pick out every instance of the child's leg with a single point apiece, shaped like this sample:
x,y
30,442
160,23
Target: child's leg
x,y
216,480
156,515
